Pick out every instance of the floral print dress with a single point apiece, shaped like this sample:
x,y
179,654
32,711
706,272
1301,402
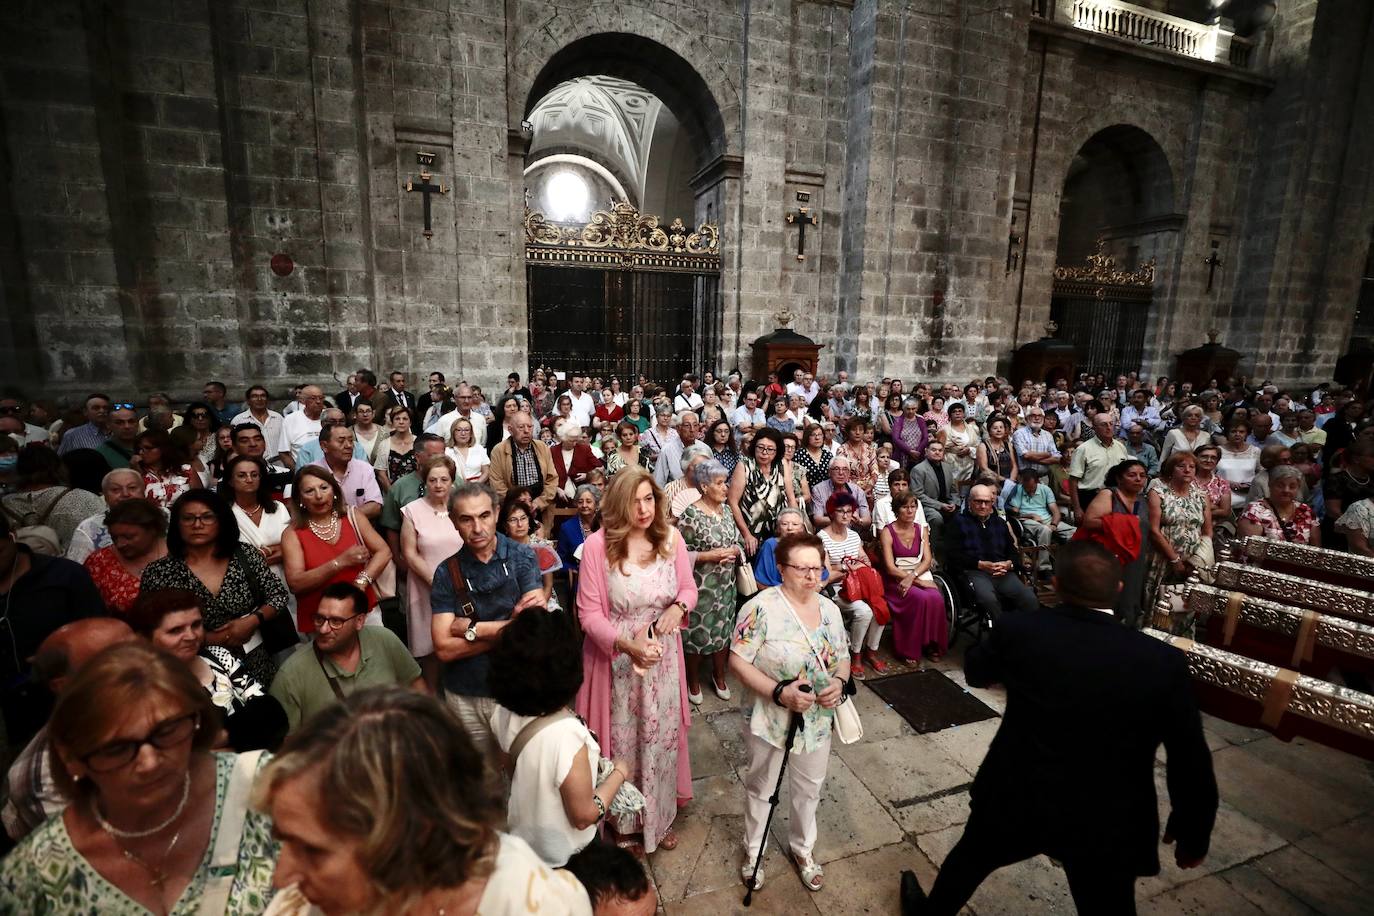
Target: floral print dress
x,y
646,709
769,637
1180,519
46,874
1297,530
713,620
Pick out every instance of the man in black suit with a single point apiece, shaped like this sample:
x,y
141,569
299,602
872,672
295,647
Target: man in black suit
x,y
1070,773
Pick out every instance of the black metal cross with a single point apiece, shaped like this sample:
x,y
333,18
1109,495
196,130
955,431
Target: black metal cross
x,y
802,218
1212,262
426,187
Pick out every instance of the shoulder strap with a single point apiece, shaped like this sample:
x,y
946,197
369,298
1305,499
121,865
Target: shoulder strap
x,y
462,599
333,681
229,837
532,728
43,519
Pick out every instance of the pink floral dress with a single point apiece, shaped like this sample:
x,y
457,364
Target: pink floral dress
x,y
646,709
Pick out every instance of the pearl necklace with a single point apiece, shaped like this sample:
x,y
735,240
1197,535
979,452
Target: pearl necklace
x,y
328,531
114,831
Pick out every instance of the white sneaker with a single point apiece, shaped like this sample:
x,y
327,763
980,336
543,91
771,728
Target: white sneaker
x,y
746,870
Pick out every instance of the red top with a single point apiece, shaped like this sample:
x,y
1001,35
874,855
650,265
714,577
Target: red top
x,y
321,553
609,412
117,588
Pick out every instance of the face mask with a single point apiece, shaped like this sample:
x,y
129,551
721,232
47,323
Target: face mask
x,y
8,463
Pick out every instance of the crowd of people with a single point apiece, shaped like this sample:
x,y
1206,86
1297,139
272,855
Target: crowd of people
x,y
534,589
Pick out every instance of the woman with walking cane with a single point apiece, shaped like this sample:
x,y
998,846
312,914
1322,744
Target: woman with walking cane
x,y
791,651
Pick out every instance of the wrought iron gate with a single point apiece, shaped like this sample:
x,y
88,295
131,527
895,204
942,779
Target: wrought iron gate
x,y
622,296
1102,310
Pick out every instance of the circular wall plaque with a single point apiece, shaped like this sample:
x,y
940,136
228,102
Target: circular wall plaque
x,y
282,265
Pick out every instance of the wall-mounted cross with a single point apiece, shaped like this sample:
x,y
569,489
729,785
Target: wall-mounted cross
x,y
1213,262
425,187
801,219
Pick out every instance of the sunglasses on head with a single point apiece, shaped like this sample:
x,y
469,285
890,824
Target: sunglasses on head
x,y
124,406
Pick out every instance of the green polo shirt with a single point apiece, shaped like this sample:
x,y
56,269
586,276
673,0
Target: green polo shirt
x,y
402,493
115,455
303,690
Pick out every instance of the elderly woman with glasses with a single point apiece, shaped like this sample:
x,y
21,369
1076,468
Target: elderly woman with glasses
x,y
709,530
656,438
786,638
132,738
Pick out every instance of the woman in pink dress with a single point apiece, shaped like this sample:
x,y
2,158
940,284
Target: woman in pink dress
x,y
428,538
919,624
633,597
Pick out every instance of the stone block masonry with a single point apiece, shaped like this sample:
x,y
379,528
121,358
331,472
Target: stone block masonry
x,y
158,153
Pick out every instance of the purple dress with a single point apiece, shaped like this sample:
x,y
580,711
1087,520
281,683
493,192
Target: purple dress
x,y
918,617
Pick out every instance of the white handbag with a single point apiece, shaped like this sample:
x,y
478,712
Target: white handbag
x,y
846,723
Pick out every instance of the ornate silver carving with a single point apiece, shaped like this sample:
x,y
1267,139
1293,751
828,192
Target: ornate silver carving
x,y
1256,549
1332,632
1320,596
1313,699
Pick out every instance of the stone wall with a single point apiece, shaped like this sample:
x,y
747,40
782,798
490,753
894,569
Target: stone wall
x,y
160,152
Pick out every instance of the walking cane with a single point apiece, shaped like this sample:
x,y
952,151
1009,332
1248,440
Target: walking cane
x,y
773,799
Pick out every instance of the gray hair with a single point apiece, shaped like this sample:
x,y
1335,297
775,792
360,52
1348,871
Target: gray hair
x,y
707,472
661,408
911,402
569,431
1284,472
471,491
791,510
695,450
587,488
110,476
682,417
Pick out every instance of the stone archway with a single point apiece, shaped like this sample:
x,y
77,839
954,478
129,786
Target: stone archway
x,y
1117,201
624,63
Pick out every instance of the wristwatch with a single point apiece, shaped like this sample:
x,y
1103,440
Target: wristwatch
x,y
471,633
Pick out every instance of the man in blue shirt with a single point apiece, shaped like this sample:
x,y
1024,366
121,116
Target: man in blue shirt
x,y
1139,411
502,579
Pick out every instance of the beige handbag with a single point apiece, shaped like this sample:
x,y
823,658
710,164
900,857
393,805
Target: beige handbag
x,y
745,583
846,723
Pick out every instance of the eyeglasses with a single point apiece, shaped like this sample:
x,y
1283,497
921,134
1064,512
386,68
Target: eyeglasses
x,y
164,736
197,520
199,415
332,623
804,570
124,406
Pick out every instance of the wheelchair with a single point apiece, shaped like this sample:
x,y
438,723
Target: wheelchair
x,y
962,612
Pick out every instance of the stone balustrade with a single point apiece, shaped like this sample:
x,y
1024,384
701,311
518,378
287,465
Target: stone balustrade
x,y
1150,28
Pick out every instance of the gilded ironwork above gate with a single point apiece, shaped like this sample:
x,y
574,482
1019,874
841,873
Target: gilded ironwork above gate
x,y
1101,277
622,238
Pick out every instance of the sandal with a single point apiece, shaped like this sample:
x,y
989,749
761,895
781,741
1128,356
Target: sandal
x,y
856,667
812,875
669,841
877,664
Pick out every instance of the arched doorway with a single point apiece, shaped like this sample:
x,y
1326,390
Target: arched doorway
x,y
1116,221
622,253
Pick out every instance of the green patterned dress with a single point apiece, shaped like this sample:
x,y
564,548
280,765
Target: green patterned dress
x,y
709,626
46,875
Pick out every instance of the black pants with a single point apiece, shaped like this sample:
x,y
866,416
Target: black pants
x,y
987,845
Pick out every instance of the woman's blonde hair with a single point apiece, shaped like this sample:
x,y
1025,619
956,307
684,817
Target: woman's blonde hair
x,y
398,776
616,515
453,431
113,684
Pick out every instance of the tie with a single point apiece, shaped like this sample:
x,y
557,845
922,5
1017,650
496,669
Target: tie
x,y
940,476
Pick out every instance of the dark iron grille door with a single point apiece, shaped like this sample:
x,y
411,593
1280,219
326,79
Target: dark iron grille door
x,y
1109,333
622,323
568,318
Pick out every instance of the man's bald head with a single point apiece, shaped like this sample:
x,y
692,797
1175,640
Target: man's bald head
x,y
71,645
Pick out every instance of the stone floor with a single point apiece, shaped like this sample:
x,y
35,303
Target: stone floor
x,y
1295,833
